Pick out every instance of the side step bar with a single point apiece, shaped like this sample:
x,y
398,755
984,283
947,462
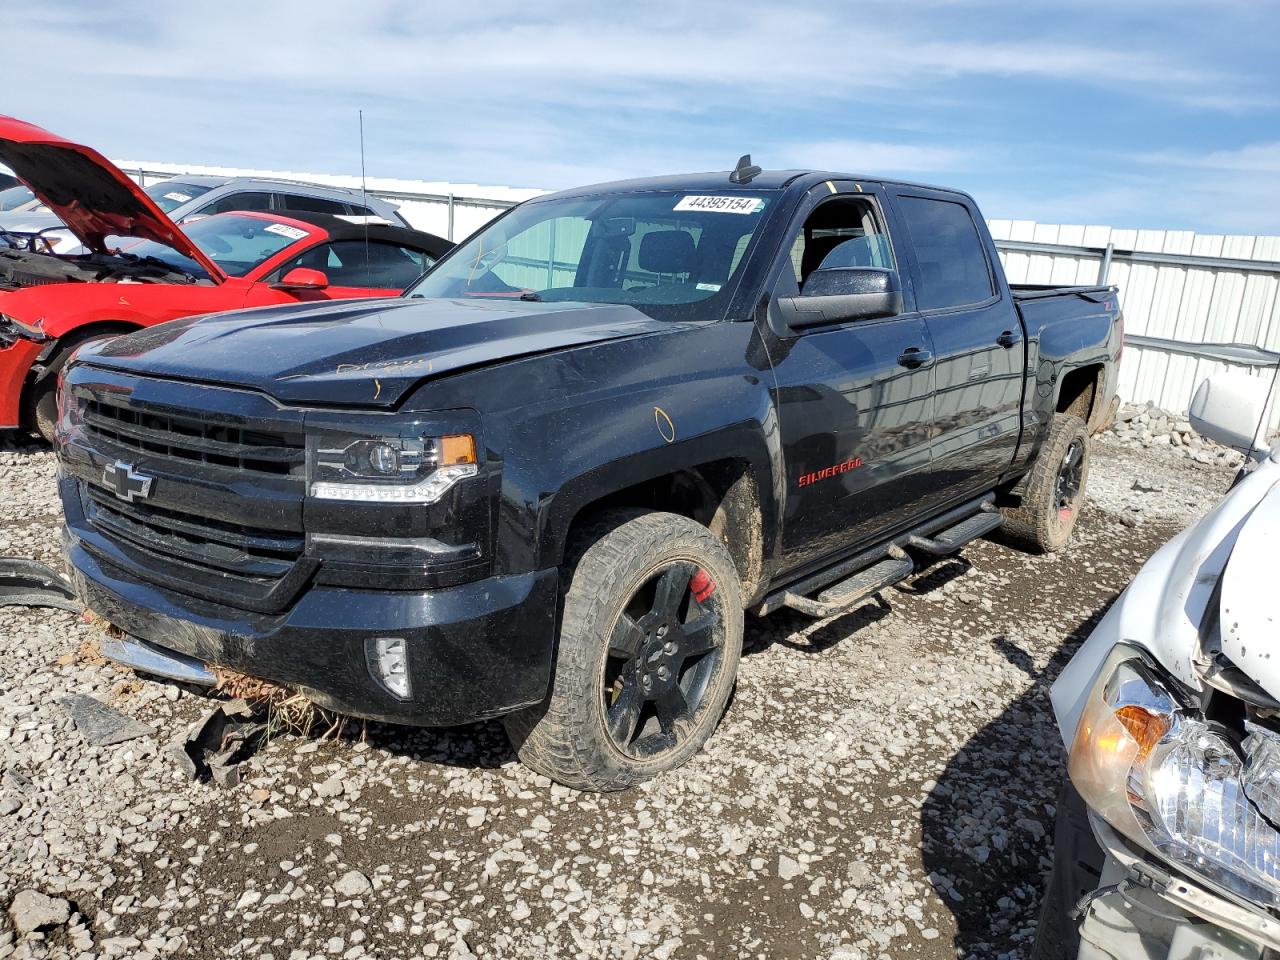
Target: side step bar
x,y
156,661
953,538
849,583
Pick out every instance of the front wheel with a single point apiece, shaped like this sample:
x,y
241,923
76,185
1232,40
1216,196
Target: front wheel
x,y
650,638
42,395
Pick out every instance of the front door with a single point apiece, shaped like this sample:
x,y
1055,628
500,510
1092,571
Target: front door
x,y
854,400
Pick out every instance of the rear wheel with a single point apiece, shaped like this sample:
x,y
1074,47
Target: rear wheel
x,y
649,645
1053,492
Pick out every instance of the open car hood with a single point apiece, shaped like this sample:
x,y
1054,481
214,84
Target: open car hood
x,y
89,193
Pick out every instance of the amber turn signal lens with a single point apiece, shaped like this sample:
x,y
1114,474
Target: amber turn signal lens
x,y
456,449
1145,727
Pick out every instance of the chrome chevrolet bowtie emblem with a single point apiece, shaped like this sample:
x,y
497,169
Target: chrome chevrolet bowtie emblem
x,y
125,482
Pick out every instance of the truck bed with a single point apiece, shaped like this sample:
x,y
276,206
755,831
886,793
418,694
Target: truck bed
x,y
1042,291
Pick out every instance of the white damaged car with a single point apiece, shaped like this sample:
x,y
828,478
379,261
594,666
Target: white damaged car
x,y
1168,833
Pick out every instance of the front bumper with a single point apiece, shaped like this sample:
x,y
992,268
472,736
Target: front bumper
x,y
475,651
16,361
1145,911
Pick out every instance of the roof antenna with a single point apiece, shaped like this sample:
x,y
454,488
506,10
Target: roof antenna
x,y
745,171
364,190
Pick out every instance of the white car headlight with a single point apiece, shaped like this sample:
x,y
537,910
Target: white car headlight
x,y
1146,762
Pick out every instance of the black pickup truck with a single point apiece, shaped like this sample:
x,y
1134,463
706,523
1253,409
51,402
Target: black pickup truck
x,y
547,483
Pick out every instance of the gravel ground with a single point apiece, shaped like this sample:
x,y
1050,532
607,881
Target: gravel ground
x,y
882,786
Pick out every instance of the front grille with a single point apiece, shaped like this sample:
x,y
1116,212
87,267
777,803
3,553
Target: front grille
x,y
241,566
220,519
209,543
194,440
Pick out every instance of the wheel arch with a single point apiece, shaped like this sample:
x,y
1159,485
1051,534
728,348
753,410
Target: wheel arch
x,y
49,360
728,493
1081,393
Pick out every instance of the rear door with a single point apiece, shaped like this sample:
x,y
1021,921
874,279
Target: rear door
x,y
854,399
976,338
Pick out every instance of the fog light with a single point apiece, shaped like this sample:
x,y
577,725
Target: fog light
x,y
389,664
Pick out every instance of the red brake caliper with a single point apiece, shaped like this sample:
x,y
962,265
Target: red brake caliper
x,y
702,585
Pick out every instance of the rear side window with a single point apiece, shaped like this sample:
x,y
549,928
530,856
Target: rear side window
x,y
238,201
334,208
953,264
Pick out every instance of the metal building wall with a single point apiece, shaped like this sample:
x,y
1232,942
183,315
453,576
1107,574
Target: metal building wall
x,y
451,210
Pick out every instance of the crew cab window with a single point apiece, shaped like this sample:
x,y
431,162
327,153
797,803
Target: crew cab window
x,y
953,264
376,266
244,200
669,254
840,232
291,201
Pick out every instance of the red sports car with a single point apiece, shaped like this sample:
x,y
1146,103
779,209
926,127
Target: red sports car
x,y
144,269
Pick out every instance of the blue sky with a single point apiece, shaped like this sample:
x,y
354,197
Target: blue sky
x,y
1149,113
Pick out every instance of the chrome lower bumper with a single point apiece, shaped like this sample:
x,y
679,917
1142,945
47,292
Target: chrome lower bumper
x,y
143,656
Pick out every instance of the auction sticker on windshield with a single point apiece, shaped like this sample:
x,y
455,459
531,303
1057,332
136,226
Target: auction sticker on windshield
x,y
721,204
180,197
284,230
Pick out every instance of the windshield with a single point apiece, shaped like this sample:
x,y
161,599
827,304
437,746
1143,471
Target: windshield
x,y
234,242
170,194
15,197
672,255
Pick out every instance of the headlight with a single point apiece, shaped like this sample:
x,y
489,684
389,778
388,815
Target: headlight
x,y
11,328
388,469
1148,764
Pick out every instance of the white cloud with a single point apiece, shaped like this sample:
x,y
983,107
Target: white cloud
x,y
552,95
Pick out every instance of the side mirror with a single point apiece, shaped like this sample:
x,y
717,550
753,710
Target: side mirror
x,y
841,294
1229,408
302,278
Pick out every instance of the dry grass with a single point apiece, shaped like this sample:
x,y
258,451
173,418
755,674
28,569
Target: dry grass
x,y
126,688
287,711
88,652
109,628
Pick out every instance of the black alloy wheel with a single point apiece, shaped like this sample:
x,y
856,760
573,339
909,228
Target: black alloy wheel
x,y
664,648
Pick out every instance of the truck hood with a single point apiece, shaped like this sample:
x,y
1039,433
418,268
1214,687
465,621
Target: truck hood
x,y
90,194
363,353
1250,610
1163,608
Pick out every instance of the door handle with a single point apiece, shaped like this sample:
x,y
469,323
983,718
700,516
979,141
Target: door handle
x,y
913,357
1007,339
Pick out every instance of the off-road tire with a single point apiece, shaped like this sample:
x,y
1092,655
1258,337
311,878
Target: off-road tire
x,y
565,737
41,398
1038,523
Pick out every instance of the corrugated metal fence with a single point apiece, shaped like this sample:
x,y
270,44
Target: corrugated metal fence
x,y
1193,304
